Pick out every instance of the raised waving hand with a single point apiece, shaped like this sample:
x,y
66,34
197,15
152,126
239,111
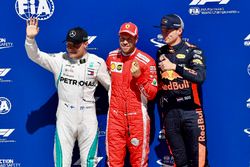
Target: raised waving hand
x,y
32,28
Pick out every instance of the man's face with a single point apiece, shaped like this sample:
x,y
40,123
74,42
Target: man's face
x,y
127,43
76,51
171,36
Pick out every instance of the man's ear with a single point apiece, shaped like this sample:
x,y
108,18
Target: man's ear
x,y
179,31
86,43
136,39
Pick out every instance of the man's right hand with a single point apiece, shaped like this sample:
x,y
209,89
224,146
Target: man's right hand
x,y
32,28
135,69
165,64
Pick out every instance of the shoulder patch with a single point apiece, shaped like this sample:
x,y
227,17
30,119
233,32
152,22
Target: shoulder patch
x,y
196,56
197,61
65,56
190,45
142,58
114,52
196,51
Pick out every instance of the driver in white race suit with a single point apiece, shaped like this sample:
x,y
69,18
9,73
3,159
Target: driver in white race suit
x,y
76,74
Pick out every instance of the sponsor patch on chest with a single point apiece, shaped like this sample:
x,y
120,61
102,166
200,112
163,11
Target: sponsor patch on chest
x,y
181,56
116,66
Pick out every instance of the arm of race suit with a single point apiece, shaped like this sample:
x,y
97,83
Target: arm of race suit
x,y
47,61
147,81
196,69
102,75
108,64
160,51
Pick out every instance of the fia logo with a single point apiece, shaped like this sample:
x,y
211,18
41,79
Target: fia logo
x,y
5,105
247,40
194,11
40,9
6,132
203,2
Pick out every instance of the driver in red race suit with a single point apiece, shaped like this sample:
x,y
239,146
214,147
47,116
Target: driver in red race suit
x,y
133,83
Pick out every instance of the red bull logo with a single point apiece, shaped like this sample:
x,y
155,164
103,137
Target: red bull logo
x,y
173,85
201,125
176,85
170,75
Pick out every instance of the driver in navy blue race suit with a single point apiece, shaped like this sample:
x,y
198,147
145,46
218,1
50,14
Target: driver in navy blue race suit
x,y
181,72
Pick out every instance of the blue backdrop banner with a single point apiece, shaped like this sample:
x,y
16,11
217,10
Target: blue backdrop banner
x,y
28,96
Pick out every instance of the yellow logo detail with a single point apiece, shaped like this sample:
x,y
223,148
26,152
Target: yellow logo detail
x,y
180,56
127,26
197,61
170,75
112,66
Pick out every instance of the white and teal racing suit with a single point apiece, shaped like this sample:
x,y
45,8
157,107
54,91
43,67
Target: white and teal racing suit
x,y
76,81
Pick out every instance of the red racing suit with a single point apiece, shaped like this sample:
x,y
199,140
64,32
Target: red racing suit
x,y
128,124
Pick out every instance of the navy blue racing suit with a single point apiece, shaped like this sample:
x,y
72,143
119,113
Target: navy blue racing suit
x,y
180,103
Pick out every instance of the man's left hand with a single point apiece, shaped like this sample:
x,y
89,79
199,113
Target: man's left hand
x,y
135,69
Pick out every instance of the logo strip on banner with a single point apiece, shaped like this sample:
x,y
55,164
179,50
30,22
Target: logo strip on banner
x,y
4,44
247,40
5,105
90,40
213,11
202,2
4,71
9,163
4,135
6,132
